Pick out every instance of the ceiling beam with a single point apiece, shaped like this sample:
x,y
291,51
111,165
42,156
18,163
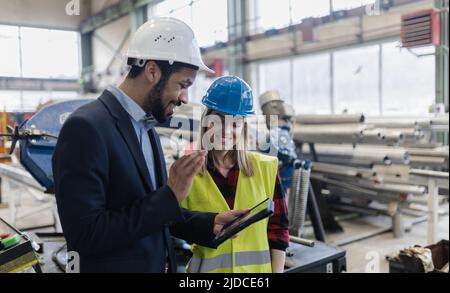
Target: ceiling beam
x,y
113,13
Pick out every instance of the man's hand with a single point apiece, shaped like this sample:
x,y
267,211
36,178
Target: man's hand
x,y
224,218
4,235
182,173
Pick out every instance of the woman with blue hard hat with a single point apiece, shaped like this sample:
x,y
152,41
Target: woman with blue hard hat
x,y
233,178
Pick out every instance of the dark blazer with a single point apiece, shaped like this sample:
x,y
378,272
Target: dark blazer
x,y
110,212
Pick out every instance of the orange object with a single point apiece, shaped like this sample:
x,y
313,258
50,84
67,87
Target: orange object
x,y
3,130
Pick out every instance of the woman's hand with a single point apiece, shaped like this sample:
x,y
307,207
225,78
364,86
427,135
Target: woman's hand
x,y
224,218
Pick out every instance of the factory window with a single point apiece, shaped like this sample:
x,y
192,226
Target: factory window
x,y
180,9
10,57
276,75
349,4
209,27
272,14
38,53
408,81
312,84
49,53
356,80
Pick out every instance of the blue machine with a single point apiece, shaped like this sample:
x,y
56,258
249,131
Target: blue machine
x,y
38,137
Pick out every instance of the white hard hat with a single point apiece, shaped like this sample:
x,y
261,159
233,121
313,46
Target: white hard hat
x,y
269,96
166,38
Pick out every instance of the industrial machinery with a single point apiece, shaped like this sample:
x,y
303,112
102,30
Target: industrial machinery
x,y
17,252
303,255
390,166
37,139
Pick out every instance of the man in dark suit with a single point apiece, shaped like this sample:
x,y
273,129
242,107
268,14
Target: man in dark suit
x,y
117,205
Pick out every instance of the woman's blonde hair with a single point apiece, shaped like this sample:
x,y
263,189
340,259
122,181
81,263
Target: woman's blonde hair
x,y
239,155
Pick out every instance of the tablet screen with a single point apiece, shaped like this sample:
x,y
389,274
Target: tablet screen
x,y
254,211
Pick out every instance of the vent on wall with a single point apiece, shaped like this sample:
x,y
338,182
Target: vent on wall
x,y
421,28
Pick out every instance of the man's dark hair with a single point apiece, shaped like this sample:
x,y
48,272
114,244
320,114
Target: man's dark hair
x,y
166,69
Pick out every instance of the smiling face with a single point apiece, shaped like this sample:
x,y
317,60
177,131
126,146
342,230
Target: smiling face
x,y
227,130
217,133
170,93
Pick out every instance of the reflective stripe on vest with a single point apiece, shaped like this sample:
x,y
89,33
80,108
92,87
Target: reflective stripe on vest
x,y
225,261
249,252
199,265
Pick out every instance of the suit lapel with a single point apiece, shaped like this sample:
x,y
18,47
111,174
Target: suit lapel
x,y
128,133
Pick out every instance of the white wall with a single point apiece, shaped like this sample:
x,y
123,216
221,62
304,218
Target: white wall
x,y
42,13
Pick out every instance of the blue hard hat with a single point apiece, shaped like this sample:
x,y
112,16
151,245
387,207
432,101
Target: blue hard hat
x,y
230,95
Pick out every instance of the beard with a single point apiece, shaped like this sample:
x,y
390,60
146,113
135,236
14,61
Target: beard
x,y
154,104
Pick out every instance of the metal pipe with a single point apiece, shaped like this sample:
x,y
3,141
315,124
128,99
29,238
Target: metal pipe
x,y
20,175
302,241
341,133
435,152
372,154
373,136
369,187
344,184
429,173
422,161
393,137
391,123
347,193
330,119
342,170
442,120
393,187
349,161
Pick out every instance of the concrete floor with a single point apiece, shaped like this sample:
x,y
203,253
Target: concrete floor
x,y
362,256
362,253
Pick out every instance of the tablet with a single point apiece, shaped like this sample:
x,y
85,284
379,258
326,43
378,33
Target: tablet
x,y
261,211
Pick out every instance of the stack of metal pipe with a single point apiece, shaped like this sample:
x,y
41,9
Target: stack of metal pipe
x,y
357,129
370,158
356,140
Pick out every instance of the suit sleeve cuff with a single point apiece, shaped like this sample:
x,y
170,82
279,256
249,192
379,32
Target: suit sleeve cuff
x,y
173,211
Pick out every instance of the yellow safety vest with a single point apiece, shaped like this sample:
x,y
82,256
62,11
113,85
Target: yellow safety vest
x,y
249,252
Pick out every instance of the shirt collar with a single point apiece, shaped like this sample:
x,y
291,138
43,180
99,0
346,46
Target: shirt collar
x,y
133,109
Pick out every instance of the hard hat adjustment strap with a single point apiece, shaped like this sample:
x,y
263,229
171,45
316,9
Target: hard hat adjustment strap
x,y
139,62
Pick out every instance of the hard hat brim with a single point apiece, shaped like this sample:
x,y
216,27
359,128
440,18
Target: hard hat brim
x,y
205,68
